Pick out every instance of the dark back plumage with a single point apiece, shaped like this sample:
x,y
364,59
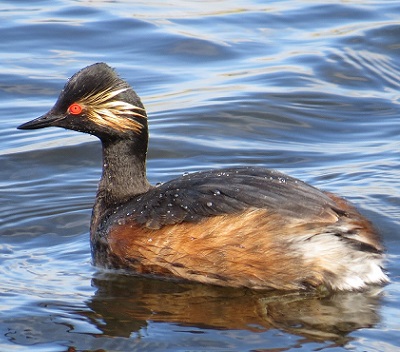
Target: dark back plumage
x,y
227,191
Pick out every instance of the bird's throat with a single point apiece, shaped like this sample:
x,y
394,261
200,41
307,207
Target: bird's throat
x,y
124,172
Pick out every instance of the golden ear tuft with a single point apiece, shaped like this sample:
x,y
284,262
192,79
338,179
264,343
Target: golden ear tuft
x,y
106,111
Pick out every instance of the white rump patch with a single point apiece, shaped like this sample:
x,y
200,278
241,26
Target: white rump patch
x,y
346,268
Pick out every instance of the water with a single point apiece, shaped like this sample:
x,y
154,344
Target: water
x,y
310,88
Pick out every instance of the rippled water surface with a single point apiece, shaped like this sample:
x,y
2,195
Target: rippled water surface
x,y
310,88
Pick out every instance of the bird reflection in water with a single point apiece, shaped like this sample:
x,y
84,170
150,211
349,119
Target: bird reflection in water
x,y
123,305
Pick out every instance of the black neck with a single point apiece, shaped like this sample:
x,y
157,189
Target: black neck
x,y
124,171
124,176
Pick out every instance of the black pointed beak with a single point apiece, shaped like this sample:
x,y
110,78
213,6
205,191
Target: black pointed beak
x,y
46,120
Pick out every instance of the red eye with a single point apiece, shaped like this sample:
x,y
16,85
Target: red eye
x,y
75,109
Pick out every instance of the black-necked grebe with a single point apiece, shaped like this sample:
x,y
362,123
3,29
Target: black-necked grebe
x,y
247,226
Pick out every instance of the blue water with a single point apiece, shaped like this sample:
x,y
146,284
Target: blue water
x,y
310,88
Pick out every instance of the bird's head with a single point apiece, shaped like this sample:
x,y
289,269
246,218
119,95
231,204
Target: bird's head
x,y
97,101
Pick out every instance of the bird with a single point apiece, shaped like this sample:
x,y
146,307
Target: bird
x,y
248,226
